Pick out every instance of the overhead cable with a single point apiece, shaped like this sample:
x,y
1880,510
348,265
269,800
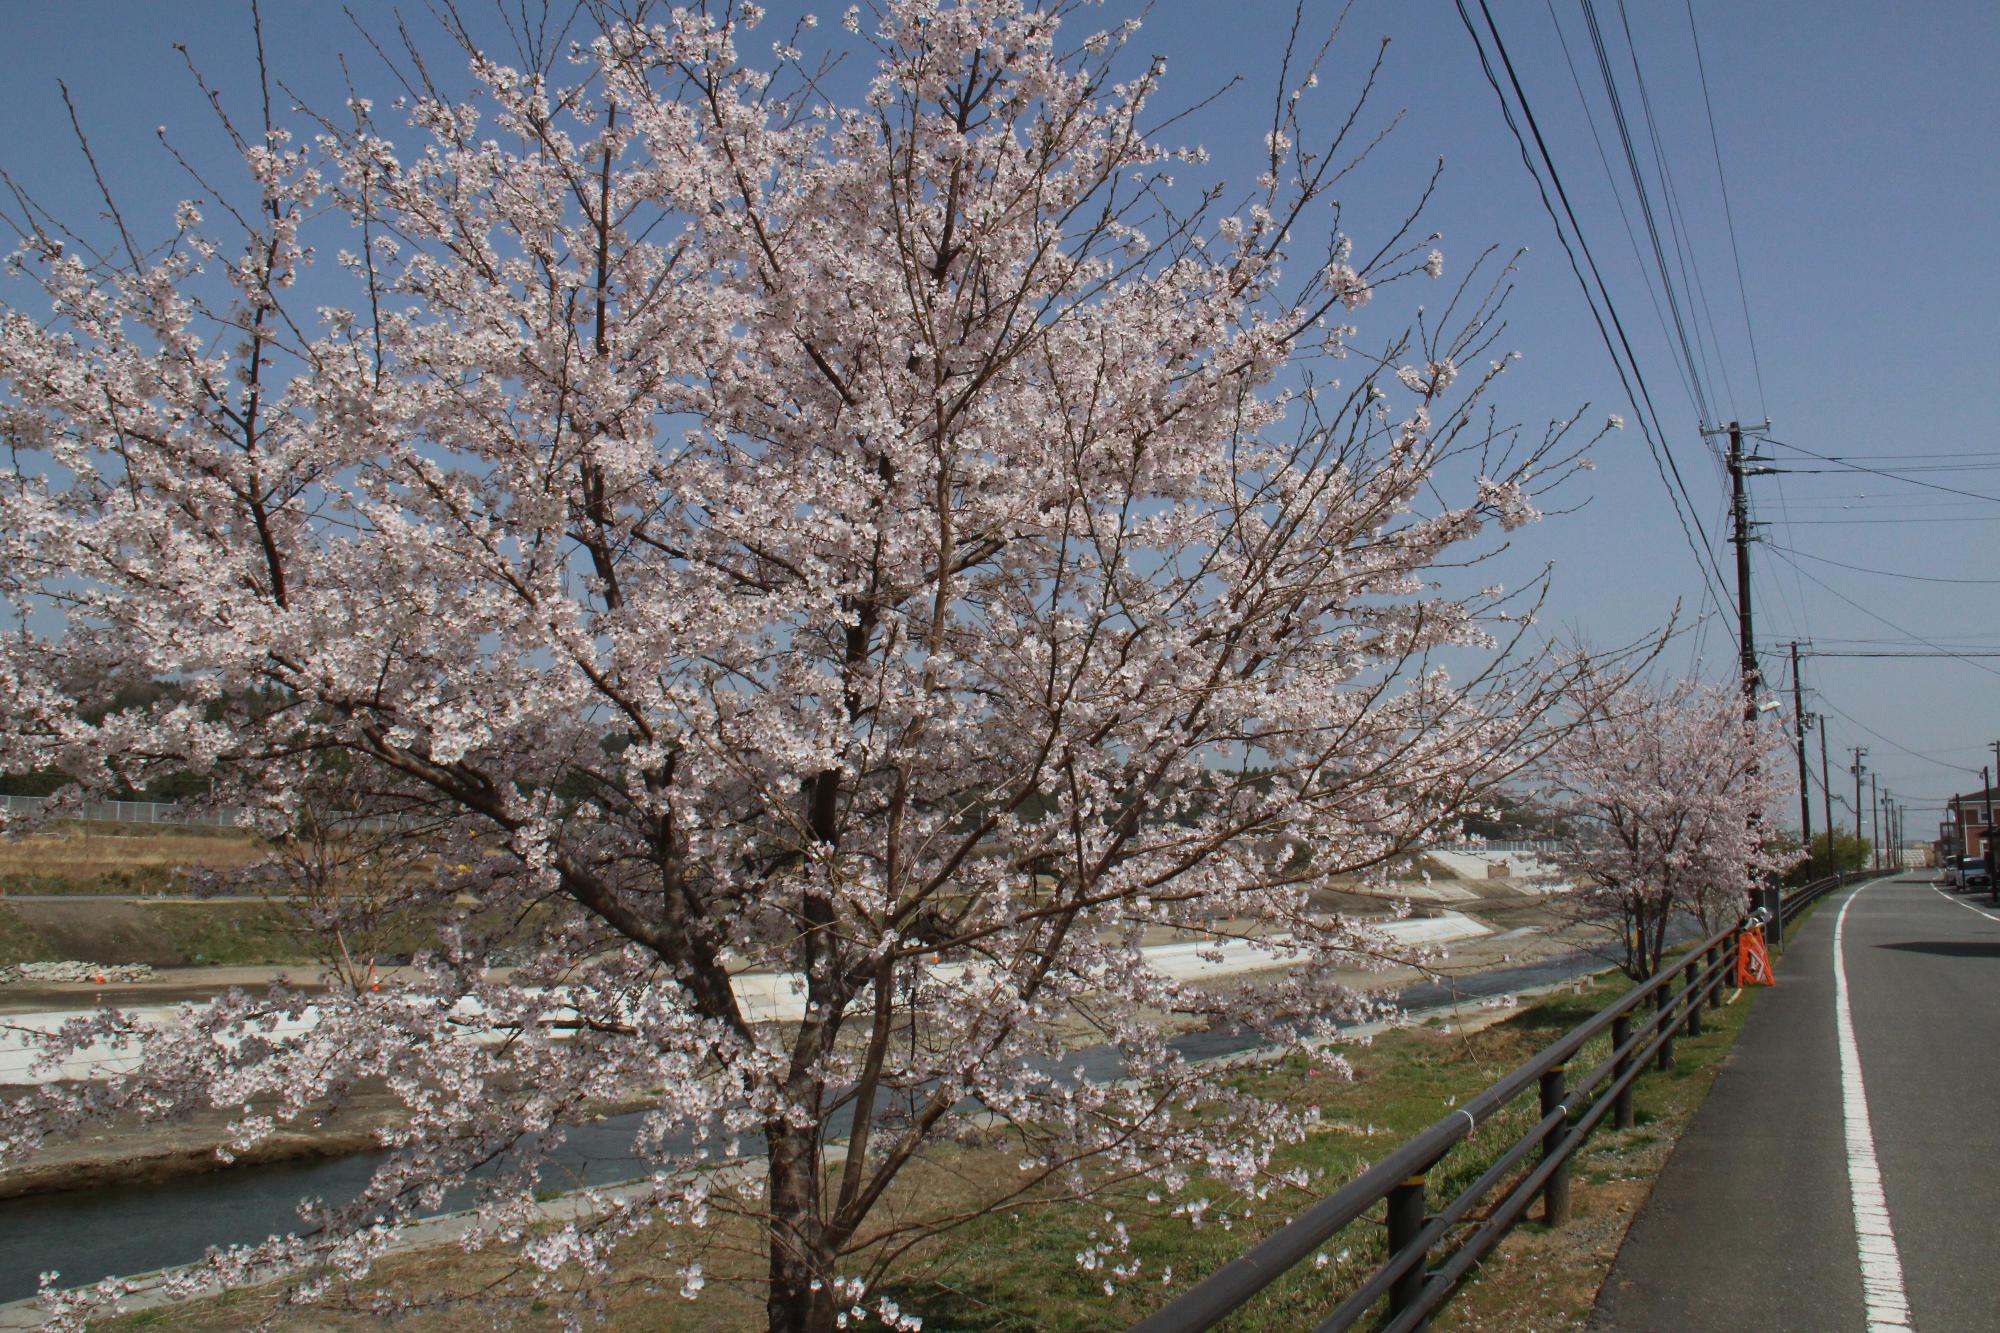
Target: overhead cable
x,y
1628,369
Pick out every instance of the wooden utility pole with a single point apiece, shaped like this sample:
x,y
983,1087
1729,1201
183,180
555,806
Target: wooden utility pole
x,y
1746,637
1739,537
1799,721
1826,791
1860,829
1875,817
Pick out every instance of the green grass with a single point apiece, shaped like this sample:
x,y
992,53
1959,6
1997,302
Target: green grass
x,y
1007,1274
231,934
200,934
18,941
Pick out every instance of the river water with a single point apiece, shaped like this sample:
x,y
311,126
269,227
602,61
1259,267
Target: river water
x,y
85,1235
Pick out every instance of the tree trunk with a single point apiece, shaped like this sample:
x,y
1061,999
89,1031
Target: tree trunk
x,y
801,1294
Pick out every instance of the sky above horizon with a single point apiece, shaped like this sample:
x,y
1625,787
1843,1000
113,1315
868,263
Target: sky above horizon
x,y
1856,145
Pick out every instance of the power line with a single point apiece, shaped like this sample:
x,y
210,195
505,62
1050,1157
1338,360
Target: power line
x,y
1962,453
1785,510
1914,754
1728,212
1879,472
1910,634
1677,227
1624,129
1849,522
1965,642
1655,436
1617,195
1879,500
1831,652
1902,471
1863,569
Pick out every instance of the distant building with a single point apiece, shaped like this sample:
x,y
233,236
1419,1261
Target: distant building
x,y
1965,830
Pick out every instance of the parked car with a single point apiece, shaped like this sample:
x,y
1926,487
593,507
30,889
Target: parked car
x,y
1951,871
1972,874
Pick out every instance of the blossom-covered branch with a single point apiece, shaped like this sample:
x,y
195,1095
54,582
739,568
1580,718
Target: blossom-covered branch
x,y
731,532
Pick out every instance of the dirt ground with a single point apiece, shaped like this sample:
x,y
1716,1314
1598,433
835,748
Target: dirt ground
x,y
140,859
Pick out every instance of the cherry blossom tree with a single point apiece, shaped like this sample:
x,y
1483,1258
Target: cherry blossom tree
x,y
1666,794
918,548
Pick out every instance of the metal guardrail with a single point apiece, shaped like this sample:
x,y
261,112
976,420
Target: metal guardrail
x,y
1806,895
1643,1024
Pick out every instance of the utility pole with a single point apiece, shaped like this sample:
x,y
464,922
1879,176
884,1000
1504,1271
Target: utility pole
x,y
1858,769
1885,810
1826,791
1875,817
1987,789
1739,537
1799,720
1746,634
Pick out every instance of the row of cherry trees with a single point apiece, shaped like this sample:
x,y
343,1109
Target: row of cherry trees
x,y
724,528
1662,793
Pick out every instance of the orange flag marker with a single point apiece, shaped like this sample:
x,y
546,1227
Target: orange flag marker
x,y
1753,960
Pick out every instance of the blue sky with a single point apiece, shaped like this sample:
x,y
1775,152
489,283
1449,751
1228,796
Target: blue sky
x,y
1858,142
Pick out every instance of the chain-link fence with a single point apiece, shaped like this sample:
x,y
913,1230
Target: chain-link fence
x,y
128,812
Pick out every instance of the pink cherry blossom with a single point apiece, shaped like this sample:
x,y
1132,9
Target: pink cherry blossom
x,y
878,547
1666,794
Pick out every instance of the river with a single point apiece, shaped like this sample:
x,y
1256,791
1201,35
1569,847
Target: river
x,y
85,1235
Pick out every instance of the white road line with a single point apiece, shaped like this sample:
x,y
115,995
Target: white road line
x,y
1962,903
1881,1266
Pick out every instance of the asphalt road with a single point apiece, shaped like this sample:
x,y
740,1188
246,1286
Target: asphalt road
x,y
1753,1224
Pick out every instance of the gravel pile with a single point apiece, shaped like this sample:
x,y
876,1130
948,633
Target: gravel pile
x,y
100,973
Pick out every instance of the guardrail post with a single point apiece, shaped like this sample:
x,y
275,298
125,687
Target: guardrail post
x,y
1555,1194
1621,1032
1715,991
1663,1024
1406,1219
1689,989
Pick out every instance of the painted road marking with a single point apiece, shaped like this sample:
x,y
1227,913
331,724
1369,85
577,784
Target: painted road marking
x,y
1874,1236
1962,903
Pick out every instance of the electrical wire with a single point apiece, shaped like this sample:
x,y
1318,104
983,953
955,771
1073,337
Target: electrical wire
x,y
1728,211
1655,436
1889,741
1863,569
1617,194
1646,215
1677,227
1961,453
1847,523
1909,634
1878,472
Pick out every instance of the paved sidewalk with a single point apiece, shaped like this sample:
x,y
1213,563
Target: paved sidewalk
x,y
1753,1223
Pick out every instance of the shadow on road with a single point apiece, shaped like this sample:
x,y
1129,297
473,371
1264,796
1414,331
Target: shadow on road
x,y
1948,948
